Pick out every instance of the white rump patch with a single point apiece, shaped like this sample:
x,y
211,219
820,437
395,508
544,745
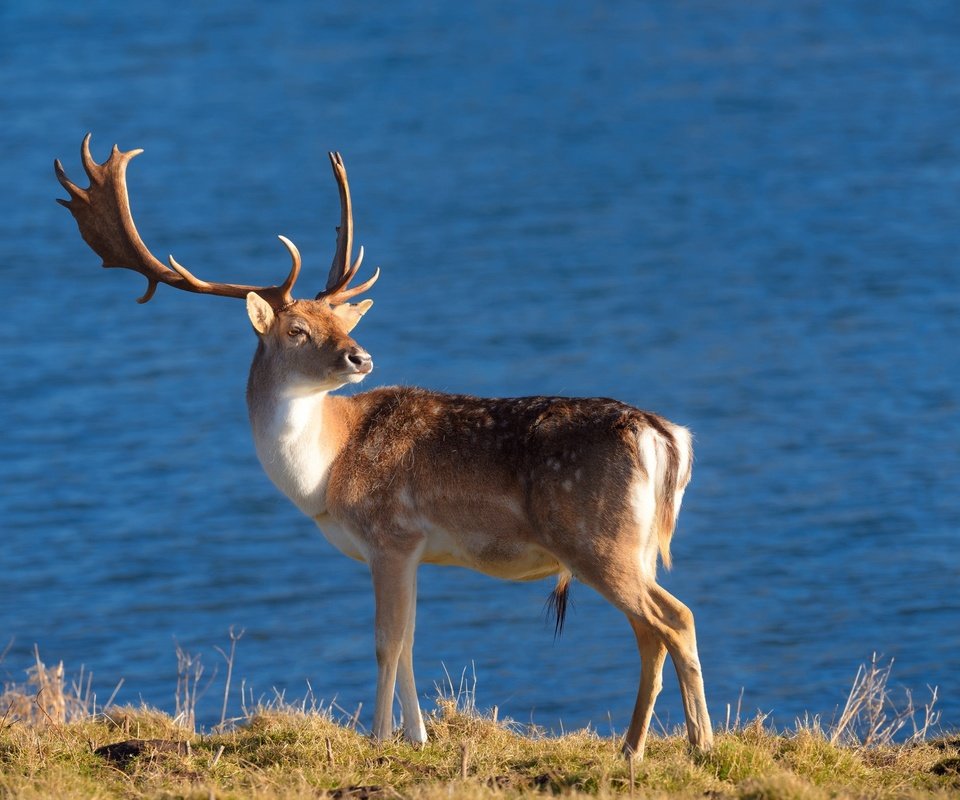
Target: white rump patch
x,y
684,440
643,501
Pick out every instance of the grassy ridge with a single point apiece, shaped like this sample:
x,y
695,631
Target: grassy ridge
x,y
54,743
296,754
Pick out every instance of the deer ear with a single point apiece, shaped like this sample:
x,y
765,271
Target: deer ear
x,y
349,313
260,312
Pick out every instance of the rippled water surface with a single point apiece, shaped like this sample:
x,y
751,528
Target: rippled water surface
x,y
742,216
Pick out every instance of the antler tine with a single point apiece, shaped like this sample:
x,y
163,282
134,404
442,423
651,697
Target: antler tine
x,y
341,270
200,285
345,278
75,191
89,164
192,280
287,286
341,257
102,213
344,295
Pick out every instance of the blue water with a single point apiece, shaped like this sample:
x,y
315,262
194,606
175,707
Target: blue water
x,y
742,216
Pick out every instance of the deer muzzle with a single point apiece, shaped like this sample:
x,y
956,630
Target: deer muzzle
x,y
358,360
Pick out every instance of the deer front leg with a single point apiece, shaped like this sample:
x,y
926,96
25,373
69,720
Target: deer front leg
x,y
413,728
394,588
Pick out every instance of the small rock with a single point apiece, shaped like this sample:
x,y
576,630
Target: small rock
x,y
947,766
122,752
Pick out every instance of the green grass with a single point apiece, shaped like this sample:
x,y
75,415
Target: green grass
x,y
289,753
296,754
49,740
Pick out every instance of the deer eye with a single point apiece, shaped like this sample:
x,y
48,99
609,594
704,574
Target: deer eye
x,y
296,331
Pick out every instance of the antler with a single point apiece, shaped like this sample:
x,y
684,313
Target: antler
x,y
102,212
341,271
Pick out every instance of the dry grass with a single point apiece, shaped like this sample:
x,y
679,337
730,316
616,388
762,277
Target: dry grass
x,y
52,739
871,718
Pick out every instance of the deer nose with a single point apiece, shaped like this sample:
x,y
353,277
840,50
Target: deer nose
x,y
360,360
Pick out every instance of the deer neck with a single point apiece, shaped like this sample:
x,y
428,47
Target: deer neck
x,y
298,433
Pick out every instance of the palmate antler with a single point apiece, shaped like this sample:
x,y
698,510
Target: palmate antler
x,y
102,212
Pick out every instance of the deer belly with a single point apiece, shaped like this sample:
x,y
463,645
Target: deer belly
x,y
500,557
341,537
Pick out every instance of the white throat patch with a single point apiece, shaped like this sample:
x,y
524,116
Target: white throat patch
x,y
291,449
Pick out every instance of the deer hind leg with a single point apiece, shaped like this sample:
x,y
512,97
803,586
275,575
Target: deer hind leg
x,y
653,652
394,588
673,622
413,728
659,616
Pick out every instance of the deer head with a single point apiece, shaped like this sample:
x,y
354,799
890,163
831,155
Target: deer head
x,y
307,342
311,336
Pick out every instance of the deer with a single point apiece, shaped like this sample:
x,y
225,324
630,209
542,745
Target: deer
x,y
517,488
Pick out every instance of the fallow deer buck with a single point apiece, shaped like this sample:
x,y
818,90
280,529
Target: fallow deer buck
x,y
518,488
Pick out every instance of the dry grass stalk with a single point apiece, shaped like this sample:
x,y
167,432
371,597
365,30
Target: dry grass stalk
x,y
229,658
51,697
461,699
464,759
45,700
189,672
735,724
871,719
